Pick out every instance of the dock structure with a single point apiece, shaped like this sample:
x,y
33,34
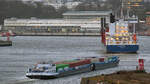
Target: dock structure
x,y
5,43
73,23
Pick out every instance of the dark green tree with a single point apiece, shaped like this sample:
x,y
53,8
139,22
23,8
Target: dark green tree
x,y
18,9
61,10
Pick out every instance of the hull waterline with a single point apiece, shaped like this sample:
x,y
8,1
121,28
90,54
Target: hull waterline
x,y
122,48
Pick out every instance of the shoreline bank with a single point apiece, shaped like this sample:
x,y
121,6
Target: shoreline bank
x,y
120,77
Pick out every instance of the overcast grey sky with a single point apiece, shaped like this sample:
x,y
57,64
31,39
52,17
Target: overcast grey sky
x,y
46,0
27,0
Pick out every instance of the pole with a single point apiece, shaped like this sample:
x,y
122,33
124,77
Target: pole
x,y
8,34
134,28
128,15
8,39
122,9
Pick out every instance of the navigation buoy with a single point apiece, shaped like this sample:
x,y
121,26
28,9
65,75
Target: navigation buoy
x,y
141,64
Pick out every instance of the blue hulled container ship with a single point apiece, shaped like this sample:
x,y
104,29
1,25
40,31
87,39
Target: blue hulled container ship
x,y
117,38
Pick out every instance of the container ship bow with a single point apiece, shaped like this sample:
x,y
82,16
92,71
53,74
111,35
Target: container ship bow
x,y
116,36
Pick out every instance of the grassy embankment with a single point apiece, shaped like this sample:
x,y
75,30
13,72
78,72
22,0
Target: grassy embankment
x,y
121,77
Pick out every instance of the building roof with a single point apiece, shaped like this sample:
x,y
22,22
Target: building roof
x,y
87,13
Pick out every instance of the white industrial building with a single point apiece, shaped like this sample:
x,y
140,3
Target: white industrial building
x,y
51,25
79,22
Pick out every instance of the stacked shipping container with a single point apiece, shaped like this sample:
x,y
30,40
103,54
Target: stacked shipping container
x,y
68,64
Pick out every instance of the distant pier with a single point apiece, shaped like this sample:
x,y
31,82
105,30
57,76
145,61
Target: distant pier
x,y
5,43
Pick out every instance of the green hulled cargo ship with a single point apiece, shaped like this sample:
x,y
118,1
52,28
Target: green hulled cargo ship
x,y
69,67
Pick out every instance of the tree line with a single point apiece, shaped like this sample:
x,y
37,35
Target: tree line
x,y
115,6
18,9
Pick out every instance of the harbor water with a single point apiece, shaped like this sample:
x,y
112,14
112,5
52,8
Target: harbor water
x,y
27,51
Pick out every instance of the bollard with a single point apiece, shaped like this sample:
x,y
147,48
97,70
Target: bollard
x,y
118,82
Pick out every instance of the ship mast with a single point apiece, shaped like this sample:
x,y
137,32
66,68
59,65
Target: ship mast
x,y
122,16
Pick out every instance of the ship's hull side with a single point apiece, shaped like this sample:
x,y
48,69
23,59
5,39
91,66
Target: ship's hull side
x,y
40,77
97,66
122,48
